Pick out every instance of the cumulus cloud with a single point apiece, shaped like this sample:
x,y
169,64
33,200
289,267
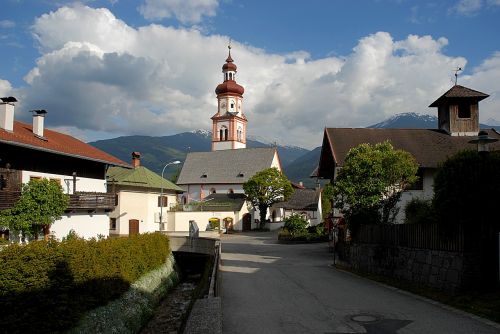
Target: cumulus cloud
x,y
186,11
5,88
99,75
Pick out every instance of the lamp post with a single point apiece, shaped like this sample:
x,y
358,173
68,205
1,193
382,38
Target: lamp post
x,y
483,142
176,162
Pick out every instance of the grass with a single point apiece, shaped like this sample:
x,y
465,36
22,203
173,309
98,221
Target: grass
x,y
485,304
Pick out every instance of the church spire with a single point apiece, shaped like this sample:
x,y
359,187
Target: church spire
x,y
229,123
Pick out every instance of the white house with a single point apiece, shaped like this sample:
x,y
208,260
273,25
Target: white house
x,y
142,199
31,151
458,118
304,202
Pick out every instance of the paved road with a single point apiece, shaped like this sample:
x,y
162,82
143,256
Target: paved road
x,y
274,288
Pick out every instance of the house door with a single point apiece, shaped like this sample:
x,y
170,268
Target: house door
x,y
133,226
247,222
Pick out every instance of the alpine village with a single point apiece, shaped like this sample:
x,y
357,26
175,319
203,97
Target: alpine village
x,y
92,243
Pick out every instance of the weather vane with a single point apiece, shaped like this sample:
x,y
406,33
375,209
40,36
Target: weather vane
x,y
457,69
229,45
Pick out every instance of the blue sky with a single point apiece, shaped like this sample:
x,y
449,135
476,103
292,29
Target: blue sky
x,y
109,68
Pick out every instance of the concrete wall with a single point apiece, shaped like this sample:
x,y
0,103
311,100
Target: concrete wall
x,y
84,224
438,269
141,206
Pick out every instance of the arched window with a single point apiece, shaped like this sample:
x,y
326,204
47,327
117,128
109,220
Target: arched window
x,y
225,133
220,134
213,191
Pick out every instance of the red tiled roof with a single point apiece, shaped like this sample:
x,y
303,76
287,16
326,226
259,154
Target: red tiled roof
x,y
56,142
429,147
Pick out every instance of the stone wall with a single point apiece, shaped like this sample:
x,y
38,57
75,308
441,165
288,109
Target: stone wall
x,y
438,269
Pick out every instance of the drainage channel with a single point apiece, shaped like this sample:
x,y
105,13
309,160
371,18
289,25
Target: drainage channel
x,y
172,313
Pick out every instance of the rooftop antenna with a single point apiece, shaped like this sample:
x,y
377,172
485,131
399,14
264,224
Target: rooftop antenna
x,y
457,69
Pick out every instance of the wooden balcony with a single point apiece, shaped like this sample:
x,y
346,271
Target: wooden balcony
x,y
8,198
79,201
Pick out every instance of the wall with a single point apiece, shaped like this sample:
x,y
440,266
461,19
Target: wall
x,y
194,190
438,269
425,194
141,206
84,224
82,183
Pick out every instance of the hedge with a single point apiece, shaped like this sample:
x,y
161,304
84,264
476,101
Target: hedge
x,y
48,286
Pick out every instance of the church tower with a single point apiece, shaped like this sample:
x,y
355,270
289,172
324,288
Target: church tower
x,y
229,129
458,111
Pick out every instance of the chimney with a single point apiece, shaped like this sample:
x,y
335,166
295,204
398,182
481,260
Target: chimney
x,y
38,118
7,113
136,159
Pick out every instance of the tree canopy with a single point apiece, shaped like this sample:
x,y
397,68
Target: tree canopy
x,y
265,188
466,189
41,203
370,183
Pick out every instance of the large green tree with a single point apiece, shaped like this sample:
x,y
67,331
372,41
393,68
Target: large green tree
x,y
370,183
265,188
41,203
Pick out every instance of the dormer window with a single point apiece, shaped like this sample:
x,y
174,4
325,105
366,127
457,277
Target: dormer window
x,y
204,175
464,110
240,174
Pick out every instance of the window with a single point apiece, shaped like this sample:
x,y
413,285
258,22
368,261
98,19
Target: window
x,y
213,191
419,184
464,110
220,134
112,223
3,182
58,181
116,199
163,199
225,134
35,178
230,191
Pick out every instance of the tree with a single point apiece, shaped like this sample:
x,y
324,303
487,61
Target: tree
x,y
466,189
370,183
265,188
41,203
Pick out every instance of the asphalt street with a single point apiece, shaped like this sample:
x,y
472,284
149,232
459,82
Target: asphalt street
x,y
275,288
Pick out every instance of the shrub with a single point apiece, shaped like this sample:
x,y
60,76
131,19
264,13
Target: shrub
x,y
47,285
214,223
295,224
419,211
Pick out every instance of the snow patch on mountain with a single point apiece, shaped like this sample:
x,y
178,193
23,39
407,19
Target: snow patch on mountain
x,y
408,120
202,132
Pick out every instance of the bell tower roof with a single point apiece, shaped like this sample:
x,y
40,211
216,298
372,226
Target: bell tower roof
x,y
458,91
229,86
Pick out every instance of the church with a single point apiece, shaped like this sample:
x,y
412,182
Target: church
x,y
213,181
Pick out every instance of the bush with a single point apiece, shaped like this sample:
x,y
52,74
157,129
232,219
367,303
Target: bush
x,y
46,286
295,224
419,211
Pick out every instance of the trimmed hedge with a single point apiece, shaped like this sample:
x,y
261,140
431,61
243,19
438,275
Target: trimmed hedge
x,y
47,286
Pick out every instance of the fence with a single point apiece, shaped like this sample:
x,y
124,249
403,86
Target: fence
x,y
423,236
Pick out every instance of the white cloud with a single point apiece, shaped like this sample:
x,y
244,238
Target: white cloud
x,y
7,24
99,75
5,88
186,11
467,7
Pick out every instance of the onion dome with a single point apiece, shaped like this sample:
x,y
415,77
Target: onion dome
x,y
229,86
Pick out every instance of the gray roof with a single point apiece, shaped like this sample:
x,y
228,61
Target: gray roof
x,y
302,199
226,166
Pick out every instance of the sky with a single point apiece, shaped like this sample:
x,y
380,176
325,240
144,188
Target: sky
x,y
107,68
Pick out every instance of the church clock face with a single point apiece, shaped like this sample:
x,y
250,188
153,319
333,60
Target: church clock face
x,y
223,105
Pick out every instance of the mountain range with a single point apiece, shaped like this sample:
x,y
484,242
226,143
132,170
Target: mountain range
x,y
298,163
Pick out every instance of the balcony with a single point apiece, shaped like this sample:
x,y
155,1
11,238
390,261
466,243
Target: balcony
x,y
79,201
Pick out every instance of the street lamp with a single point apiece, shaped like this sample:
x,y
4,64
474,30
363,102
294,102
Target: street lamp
x,y
176,162
483,141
